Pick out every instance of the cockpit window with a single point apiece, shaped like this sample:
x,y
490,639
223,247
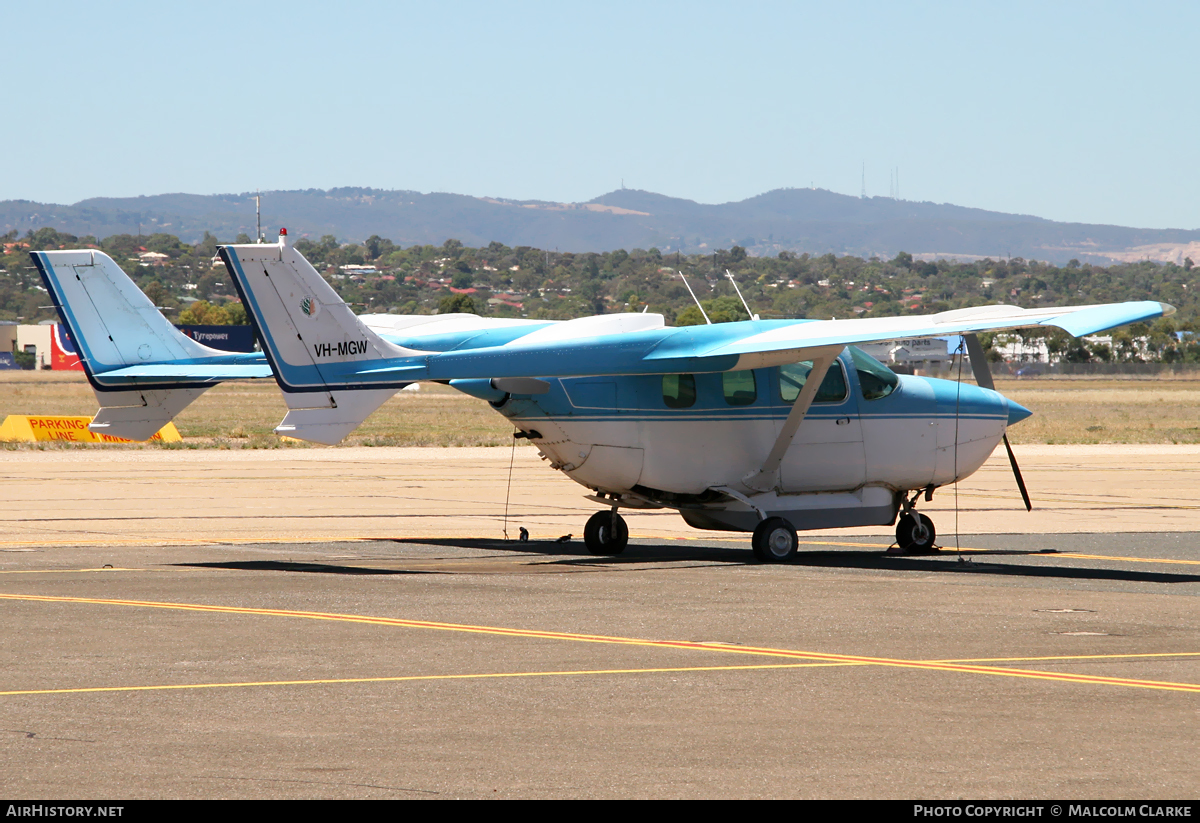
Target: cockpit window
x,y
679,390
875,379
739,387
793,376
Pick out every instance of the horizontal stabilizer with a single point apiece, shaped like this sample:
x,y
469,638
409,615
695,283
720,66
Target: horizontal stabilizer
x,y
195,373
138,415
327,417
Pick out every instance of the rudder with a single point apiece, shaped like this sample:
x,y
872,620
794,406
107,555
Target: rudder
x,y
313,340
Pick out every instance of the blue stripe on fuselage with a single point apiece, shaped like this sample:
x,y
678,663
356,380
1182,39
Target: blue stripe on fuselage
x,y
638,398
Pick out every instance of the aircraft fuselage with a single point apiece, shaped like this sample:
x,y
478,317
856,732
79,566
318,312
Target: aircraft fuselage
x,y
632,438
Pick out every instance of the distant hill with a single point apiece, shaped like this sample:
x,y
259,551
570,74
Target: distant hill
x,y
800,220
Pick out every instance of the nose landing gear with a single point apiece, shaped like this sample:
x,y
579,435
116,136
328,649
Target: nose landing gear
x,y
915,534
914,531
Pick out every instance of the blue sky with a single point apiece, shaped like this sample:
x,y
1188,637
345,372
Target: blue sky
x,y
1072,111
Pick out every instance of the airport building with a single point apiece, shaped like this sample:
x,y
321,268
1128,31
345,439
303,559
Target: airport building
x,y
52,347
48,342
924,354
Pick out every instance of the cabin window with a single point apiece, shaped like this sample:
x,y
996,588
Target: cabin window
x,y
679,390
739,387
875,379
793,376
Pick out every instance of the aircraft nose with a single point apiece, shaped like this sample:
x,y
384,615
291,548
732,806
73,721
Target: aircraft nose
x,y
1017,412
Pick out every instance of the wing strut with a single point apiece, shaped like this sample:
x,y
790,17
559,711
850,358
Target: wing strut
x,y
767,477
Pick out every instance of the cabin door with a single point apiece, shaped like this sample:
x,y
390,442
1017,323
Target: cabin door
x,y
827,453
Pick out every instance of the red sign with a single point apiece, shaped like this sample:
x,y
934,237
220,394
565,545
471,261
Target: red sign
x,y
62,350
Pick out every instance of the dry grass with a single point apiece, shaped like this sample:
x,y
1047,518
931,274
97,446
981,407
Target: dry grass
x,y
242,415
1089,410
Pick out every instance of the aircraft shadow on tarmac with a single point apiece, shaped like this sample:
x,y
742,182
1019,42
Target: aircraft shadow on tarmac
x,y
291,566
570,554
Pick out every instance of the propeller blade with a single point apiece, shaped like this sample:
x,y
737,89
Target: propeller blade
x,y
983,378
1012,459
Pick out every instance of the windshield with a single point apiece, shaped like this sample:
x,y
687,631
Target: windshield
x,y
875,379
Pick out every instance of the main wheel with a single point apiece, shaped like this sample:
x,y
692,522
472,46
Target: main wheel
x,y
774,541
915,533
606,533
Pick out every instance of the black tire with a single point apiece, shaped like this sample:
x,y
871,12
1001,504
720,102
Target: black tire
x,y
915,534
774,541
606,533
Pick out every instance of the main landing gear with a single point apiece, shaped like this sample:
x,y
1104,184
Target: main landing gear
x,y
774,541
606,533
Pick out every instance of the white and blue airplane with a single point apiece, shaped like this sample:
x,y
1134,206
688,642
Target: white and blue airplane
x,y
762,426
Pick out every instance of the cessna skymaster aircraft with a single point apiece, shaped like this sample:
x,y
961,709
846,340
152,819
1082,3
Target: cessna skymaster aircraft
x,y
763,426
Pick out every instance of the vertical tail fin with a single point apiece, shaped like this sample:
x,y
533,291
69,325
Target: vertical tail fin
x,y
313,340
143,370
111,321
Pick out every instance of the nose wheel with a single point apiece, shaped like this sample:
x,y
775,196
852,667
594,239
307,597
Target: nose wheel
x,y
606,533
915,534
774,541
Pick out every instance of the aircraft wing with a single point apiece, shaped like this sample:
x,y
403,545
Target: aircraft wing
x,y
731,346
1076,321
315,343
336,368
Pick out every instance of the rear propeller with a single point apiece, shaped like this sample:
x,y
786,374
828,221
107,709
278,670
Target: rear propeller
x,y
983,377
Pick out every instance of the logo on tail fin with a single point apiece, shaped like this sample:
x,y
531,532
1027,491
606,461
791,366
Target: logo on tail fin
x,y
310,306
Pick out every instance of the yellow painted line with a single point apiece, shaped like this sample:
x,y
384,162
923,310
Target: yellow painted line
x,y
485,676
625,641
729,537
192,541
1127,559
1066,657
948,552
306,539
1081,503
499,675
359,539
496,675
415,677
75,571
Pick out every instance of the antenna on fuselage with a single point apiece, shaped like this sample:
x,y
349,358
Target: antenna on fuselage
x,y
751,314
693,294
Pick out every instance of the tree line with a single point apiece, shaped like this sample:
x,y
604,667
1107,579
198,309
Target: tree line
x,y
378,275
